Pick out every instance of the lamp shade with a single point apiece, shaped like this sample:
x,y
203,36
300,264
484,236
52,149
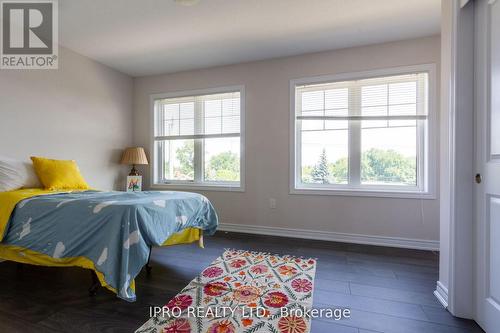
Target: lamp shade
x,y
134,155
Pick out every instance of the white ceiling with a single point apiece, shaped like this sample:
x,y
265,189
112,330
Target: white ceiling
x,y
144,37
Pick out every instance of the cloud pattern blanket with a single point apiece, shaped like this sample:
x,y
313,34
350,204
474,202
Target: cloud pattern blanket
x,y
112,229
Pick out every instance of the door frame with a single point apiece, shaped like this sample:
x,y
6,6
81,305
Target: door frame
x,y
455,288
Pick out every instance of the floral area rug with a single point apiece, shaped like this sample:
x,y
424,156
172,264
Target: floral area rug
x,y
243,292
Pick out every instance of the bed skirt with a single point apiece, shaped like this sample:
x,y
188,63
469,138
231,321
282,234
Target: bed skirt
x,y
25,256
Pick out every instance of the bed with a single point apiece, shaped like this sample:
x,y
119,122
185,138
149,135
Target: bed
x,y
110,233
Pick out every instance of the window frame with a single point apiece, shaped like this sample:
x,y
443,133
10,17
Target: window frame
x,y
427,167
205,185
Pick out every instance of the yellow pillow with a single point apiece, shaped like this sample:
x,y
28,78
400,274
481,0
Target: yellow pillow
x,y
59,174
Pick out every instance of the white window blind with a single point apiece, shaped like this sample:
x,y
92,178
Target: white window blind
x,y
194,117
400,97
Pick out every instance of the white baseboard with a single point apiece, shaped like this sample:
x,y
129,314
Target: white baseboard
x,y
408,243
441,294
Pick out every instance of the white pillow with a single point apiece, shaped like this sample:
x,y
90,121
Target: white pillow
x,y
15,174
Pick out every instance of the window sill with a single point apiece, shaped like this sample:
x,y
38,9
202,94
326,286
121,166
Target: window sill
x,y
199,187
364,193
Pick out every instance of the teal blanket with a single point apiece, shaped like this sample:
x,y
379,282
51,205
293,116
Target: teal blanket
x,y
112,229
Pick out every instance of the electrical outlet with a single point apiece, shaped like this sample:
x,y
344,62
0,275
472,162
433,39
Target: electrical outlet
x,y
272,203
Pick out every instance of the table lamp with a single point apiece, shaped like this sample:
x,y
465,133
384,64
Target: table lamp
x,y
134,156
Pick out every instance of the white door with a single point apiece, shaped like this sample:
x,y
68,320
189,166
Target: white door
x,y
487,205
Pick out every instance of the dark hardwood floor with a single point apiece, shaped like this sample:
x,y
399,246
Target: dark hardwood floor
x,y
387,289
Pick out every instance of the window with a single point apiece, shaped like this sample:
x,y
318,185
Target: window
x,y
197,138
363,134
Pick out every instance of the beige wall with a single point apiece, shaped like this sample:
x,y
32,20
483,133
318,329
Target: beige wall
x,y
267,143
81,111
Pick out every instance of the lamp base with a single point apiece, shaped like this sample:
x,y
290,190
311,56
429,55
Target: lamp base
x,y
134,171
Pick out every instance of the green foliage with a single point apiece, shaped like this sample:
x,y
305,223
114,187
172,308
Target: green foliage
x,y
339,170
306,174
377,166
320,172
388,166
185,156
223,167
